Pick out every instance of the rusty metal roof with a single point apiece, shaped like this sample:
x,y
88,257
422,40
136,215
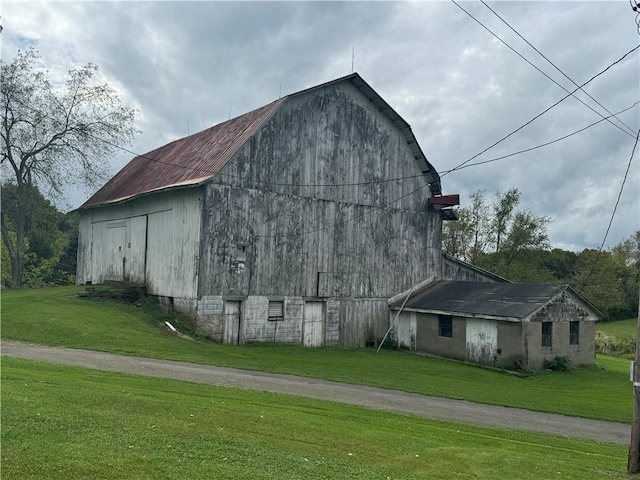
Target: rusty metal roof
x,y
193,160
511,301
185,162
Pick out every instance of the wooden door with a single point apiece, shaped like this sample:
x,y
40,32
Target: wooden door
x,y
231,327
313,325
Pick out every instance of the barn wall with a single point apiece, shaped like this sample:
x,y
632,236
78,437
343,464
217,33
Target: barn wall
x,y
332,135
455,270
157,236
370,259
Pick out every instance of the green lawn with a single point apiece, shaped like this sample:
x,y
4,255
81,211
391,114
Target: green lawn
x,y
74,423
57,317
621,329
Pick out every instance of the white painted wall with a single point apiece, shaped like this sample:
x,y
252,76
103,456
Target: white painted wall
x,y
405,329
157,235
481,340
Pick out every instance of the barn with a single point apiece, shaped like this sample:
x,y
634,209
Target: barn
x,y
294,222
499,324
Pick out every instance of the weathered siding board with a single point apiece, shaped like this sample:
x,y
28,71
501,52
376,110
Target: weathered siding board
x,y
459,271
359,258
405,329
482,340
330,136
332,322
158,237
362,321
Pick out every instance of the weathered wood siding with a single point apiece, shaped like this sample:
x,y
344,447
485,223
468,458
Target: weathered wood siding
x,y
157,236
376,257
355,249
457,270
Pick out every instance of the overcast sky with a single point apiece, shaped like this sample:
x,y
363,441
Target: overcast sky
x,y
187,65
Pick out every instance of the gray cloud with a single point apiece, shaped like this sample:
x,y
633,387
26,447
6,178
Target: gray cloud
x,y
186,65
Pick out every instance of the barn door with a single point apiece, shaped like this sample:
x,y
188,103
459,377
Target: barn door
x,y
482,340
312,327
114,250
231,328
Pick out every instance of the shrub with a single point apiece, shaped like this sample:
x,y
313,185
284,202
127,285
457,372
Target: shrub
x,y
610,345
558,364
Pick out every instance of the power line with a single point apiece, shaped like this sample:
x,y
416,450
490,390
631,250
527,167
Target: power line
x,y
613,214
554,65
542,144
353,184
538,69
375,208
541,113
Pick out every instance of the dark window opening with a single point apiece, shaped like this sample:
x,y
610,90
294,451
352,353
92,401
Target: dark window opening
x,y
276,311
546,334
445,326
574,333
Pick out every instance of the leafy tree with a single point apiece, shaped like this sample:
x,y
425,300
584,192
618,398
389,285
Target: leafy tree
x,y
500,228
43,241
598,282
53,135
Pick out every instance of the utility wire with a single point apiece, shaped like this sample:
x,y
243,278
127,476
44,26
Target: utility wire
x,y
374,208
630,133
353,184
542,144
554,65
613,214
540,114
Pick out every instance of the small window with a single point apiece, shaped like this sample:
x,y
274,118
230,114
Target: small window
x,y
445,326
546,334
276,311
574,333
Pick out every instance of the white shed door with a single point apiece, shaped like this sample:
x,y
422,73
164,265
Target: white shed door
x,y
482,340
231,328
312,328
114,250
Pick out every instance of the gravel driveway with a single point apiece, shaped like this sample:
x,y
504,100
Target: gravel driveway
x,y
369,397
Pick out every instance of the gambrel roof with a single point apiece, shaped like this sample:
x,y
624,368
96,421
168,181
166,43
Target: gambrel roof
x,y
195,159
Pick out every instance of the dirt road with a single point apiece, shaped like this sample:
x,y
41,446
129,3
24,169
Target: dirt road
x,y
369,397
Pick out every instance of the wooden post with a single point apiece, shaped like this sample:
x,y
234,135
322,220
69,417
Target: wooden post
x,y
633,461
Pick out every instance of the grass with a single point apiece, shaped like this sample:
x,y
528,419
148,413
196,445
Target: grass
x,y
621,329
74,423
57,317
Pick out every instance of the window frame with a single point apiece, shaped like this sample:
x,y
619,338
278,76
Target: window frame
x,y
275,311
445,326
574,333
546,338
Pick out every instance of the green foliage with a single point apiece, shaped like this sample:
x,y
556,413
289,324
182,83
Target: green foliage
x,y
499,228
74,423
50,239
56,316
559,363
610,345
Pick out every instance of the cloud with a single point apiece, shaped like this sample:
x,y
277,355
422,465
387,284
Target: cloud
x,y
188,65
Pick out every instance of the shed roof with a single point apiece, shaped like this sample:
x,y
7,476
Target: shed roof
x,y
193,160
506,300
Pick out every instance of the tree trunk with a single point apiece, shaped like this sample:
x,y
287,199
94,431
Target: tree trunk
x,y
17,266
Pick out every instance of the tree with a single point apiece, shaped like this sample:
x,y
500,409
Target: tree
x,y
501,228
53,135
